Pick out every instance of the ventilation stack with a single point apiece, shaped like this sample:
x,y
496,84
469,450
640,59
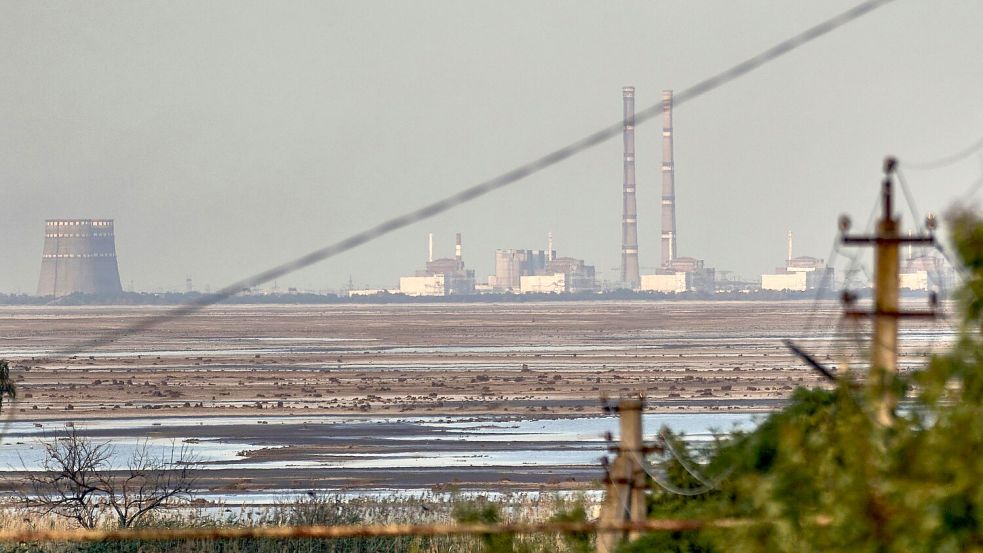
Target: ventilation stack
x,y
458,254
79,258
429,247
629,225
668,184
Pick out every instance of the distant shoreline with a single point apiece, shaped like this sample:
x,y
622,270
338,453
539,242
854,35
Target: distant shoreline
x,y
177,298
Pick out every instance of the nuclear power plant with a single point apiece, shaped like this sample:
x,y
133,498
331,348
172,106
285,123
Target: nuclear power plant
x,y
79,258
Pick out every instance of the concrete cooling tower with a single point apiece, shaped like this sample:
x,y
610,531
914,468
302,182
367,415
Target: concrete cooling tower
x,y
79,257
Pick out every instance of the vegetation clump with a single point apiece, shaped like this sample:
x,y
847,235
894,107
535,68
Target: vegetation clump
x,y
822,475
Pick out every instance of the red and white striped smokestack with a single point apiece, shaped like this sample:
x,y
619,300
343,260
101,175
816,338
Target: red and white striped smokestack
x,y
457,249
668,184
629,221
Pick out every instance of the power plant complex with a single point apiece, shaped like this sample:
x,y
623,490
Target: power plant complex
x,y
525,271
79,258
516,271
80,254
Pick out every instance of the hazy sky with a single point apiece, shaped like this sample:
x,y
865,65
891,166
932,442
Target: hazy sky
x,y
227,136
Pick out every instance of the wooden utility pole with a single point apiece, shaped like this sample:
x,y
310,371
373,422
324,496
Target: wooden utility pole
x,y
885,314
625,501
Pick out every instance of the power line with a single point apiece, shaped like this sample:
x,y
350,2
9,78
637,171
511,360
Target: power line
x,y
917,221
481,189
946,160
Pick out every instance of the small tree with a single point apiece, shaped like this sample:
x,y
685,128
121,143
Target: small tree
x,y
76,481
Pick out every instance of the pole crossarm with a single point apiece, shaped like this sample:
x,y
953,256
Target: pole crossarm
x,y
928,240
886,312
861,314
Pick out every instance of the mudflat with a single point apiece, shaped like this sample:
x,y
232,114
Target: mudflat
x,y
527,359
352,396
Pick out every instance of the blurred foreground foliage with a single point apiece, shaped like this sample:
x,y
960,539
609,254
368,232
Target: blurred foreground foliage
x,y
821,475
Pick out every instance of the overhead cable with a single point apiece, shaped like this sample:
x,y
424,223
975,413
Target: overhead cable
x,y
481,189
945,161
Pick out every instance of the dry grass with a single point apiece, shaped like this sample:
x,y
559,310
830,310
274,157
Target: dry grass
x,y
332,510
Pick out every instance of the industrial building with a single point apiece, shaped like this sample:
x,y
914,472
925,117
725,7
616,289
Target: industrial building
x,y
561,275
578,276
540,272
544,284
79,257
799,273
442,277
512,265
926,273
676,274
682,274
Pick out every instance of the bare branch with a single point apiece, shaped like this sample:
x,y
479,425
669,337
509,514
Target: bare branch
x,y
76,481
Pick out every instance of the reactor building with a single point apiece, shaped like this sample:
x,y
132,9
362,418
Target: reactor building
x,y
512,265
676,274
799,274
540,272
442,277
926,273
561,275
79,257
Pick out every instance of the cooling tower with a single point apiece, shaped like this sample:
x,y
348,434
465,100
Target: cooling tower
x,y
79,257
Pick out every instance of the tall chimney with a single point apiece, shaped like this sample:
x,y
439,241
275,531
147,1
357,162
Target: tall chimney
x,y
788,258
549,246
429,247
457,249
629,224
668,185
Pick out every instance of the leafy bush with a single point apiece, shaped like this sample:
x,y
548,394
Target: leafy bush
x,y
822,475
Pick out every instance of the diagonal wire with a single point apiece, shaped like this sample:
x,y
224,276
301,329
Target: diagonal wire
x,y
826,284
910,200
665,484
481,189
945,161
683,462
973,188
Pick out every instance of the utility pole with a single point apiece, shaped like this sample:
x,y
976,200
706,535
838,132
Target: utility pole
x,y
886,312
625,501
